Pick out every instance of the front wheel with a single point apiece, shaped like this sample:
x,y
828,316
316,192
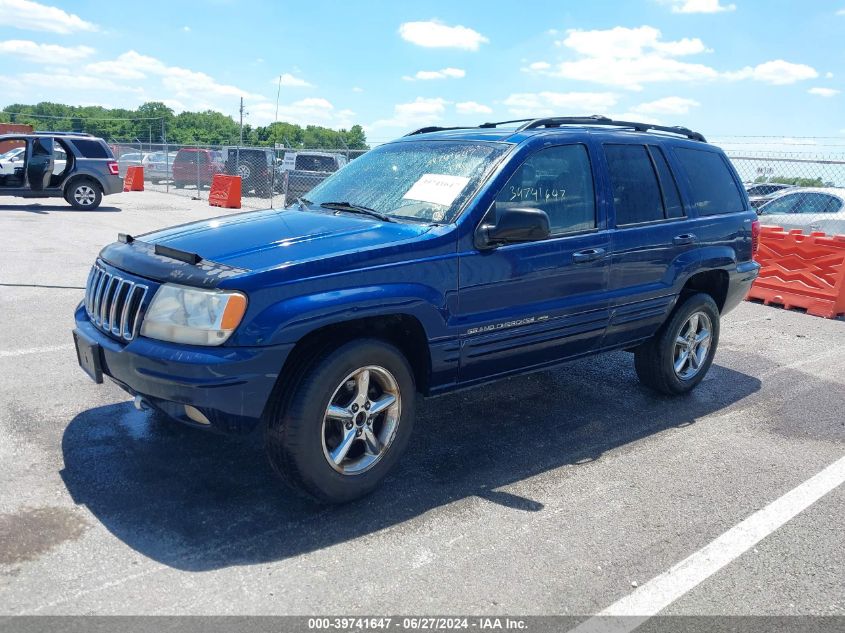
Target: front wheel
x,y
346,423
84,194
678,357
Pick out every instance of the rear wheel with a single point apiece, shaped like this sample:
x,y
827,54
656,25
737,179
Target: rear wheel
x,y
84,194
346,423
678,357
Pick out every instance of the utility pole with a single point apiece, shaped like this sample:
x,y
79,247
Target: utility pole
x,y
242,120
278,94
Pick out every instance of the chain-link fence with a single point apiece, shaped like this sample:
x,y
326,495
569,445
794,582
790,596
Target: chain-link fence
x,y
795,191
270,177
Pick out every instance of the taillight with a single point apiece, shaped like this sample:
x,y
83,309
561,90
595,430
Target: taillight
x,y
114,168
755,237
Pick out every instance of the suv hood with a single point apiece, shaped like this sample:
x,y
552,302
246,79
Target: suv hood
x,y
256,240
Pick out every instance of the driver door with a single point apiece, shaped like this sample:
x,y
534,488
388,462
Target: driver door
x,y
39,167
534,303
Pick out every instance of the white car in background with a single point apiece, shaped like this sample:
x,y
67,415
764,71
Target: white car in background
x,y
131,159
11,159
807,208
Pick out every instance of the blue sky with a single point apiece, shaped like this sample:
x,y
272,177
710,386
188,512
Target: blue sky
x,y
726,68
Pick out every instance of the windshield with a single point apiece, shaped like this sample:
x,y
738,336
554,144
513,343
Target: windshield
x,y
423,180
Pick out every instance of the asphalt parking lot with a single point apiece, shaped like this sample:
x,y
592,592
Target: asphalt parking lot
x,y
561,492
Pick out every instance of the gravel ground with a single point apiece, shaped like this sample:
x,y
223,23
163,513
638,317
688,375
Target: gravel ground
x,y
551,493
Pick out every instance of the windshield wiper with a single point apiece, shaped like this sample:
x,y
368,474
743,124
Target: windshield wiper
x,y
356,208
302,203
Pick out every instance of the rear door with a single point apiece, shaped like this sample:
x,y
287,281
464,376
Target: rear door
x,y
39,167
523,305
651,238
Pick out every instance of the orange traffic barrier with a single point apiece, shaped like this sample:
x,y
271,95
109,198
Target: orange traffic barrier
x,y
134,179
225,191
801,271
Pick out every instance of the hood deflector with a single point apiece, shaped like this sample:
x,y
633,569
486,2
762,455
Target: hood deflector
x,y
163,263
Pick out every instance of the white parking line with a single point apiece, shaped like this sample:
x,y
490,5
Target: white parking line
x,y
663,590
33,350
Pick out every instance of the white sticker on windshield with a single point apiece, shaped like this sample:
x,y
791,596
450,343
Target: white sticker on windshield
x,y
437,189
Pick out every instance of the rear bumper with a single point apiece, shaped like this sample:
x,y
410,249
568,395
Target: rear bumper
x,y
739,283
229,385
111,184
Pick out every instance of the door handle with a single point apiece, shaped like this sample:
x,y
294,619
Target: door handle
x,y
588,255
686,238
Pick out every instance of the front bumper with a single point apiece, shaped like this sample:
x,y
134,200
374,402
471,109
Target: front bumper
x,y
229,385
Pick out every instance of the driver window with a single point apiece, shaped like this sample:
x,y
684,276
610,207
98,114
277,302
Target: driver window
x,y
559,181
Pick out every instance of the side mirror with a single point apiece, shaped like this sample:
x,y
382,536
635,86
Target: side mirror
x,y
522,224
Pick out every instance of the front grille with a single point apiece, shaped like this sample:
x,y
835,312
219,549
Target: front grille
x,y
113,303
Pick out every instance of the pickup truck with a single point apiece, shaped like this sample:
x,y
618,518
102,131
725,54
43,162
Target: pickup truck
x,y
307,170
447,258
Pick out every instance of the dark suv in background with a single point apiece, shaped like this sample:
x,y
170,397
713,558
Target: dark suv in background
x,y
77,167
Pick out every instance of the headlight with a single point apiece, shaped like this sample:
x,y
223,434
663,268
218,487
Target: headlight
x,y
182,314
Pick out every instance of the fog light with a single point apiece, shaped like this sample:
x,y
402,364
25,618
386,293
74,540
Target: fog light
x,y
196,415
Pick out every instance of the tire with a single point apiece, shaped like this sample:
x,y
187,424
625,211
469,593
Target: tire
x,y
302,438
656,359
84,194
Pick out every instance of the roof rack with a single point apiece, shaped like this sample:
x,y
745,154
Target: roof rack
x,y
57,133
597,119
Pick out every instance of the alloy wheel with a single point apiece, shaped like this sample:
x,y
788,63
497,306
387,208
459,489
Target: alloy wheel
x,y
361,419
692,345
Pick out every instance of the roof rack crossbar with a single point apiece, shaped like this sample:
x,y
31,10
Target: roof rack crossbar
x,y
497,123
437,128
603,120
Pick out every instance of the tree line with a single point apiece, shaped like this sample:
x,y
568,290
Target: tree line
x,y
154,122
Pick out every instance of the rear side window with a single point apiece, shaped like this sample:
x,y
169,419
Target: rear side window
x,y
636,193
712,185
91,149
671,197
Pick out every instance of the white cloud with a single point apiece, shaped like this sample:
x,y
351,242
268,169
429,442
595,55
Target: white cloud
x,y
192,87
626,42
357,89
667,105
824,92
313,110
24,14
472,107
777,73
445,73
45,53
290,81
627,58
700,6
434,34
418,113
539,104
840,12
632,57
186,29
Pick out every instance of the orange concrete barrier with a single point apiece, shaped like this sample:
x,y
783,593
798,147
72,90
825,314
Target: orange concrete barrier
x,y
801,271
225,191
134,179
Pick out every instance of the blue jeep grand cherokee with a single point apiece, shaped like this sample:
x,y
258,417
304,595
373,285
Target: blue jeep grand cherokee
x,y
447,258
